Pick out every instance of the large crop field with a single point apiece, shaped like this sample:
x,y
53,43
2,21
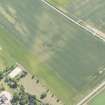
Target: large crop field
x,y
65,57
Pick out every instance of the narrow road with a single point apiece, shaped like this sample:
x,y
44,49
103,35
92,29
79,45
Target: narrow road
x,y
92,94
90,29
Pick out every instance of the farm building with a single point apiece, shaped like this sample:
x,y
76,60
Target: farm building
x,y
17,71
5,98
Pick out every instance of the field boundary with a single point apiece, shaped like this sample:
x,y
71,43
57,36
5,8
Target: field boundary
x,y
91,95
95,32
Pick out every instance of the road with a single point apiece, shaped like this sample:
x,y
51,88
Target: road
x,y
89,29
92,94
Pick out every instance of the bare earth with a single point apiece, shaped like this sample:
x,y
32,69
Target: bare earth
x,y
34,88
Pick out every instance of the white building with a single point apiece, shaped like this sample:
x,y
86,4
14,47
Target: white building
x,y
5,98
17,71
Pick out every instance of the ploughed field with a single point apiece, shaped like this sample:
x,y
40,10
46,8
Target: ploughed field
x,y
68,59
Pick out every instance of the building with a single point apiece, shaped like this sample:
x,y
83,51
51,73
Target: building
x,y
5,98
17,71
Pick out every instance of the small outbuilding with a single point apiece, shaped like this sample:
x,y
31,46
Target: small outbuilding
x,y
5,98
17,71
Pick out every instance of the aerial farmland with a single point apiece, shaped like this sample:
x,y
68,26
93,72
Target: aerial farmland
x,y
60,42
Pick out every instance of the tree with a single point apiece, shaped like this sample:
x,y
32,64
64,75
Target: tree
x,y
11,83
43,95
21,97
1,75
32,100
15,99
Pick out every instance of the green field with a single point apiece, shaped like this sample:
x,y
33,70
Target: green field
x,y
5,59
99,99
64,56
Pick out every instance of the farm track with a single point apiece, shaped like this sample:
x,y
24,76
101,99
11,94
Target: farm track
x,y
88,28
95,32
91,95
